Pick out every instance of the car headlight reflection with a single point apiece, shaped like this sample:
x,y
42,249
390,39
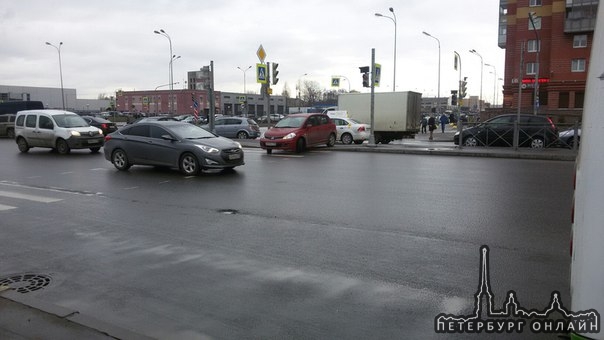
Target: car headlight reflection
x,y
208,149
290,135
75,133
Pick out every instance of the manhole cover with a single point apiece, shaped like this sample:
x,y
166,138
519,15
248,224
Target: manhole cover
x,y
26,283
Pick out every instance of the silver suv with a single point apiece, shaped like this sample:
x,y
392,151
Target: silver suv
x,y
56,129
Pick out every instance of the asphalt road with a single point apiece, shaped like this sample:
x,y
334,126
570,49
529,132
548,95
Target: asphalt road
x,y
320,245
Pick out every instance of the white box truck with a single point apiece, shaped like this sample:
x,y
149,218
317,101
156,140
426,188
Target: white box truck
x,y
396,114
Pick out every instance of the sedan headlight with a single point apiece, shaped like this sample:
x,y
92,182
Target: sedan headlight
x,y
75,133
208,149
238,144
290,135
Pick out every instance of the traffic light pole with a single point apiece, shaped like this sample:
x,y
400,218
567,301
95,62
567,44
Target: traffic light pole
x,y
372,104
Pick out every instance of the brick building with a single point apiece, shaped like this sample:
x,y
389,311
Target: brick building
x,y
547,42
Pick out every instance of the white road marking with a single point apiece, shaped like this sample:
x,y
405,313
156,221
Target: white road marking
x,y
34,198
6,207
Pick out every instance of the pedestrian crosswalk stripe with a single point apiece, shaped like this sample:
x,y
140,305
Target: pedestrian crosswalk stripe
x,y
34,198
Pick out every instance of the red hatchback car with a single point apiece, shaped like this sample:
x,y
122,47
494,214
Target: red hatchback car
x,y
298,131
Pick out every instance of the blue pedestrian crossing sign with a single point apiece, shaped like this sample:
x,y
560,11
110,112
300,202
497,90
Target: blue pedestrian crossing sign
x,y
261,74
377,75
335,82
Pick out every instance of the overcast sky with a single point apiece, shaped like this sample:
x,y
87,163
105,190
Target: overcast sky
x,y
110,45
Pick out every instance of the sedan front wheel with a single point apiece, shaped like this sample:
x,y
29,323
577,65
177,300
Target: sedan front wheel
x,y
189,165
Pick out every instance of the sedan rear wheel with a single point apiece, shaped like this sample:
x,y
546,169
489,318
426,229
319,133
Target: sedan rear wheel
x,y
300,145
120,160
346,138
242,135
189,165
332,140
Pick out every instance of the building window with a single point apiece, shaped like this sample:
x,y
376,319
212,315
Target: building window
x,y
578,65
579,99
534,45
563,100
580,41
531,68
536,21
534,3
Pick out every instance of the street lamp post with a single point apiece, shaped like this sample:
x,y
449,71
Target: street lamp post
x,y
438,90
393,18
156,97
299,89
170,81
244,88
494,82
481,70
536,86
60,70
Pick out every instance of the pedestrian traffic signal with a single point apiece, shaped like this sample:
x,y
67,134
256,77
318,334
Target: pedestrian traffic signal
x,y
275,73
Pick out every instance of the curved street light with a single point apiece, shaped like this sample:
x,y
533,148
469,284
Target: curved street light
x,y
60,70
494,82
393,18
481,69
170,74
438,90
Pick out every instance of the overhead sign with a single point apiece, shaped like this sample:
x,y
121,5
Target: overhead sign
x,y
261,73
261,53
335,82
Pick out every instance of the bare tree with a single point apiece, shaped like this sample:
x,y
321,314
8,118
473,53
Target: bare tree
x,y
311,92
286,92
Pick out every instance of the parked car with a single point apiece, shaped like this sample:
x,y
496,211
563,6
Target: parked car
x,y
235,127
273,117
534,131
56,129
154,119
567,138
105,125
296,132
7,125
350,130
172,144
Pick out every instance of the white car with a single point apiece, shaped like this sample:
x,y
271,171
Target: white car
x,y
350,130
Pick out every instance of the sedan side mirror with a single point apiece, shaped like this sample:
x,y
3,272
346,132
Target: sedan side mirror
x,y
168,137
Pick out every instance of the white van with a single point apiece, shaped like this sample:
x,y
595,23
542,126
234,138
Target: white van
x,y
587,269
56,129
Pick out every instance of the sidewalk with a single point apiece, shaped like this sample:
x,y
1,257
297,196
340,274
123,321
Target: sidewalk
x,y
24,317
443,145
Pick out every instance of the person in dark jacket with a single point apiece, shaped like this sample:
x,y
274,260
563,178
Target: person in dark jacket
x,y
431,126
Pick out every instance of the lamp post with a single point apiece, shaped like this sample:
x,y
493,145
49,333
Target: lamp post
x,y
244,88
536,87
494,81
299,89
438,91
157,96
60,70
170,81
481,69
393,18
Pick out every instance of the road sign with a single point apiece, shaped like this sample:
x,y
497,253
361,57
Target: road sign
x,y
261,73
335,82
377,75
261,53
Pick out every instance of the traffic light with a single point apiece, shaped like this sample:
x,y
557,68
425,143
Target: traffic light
x,y
453,97
463,88
365,72
275,73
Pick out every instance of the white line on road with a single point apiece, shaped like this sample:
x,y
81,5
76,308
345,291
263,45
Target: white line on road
x,y
6,207
34,198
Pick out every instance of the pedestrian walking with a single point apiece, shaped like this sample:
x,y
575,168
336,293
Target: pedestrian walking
x,y
443,122
431,126
424,124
